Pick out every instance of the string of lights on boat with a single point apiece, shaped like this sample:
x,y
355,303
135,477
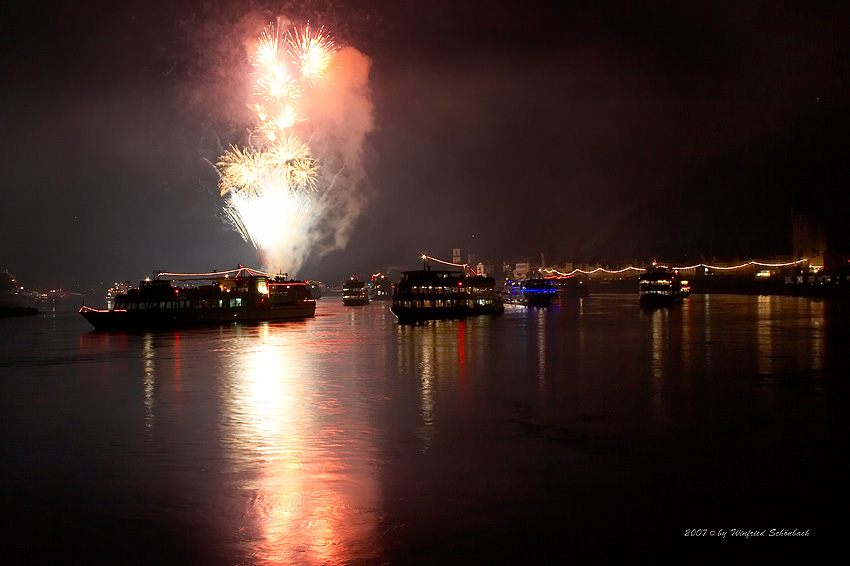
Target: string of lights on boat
x,y
426,257
225,273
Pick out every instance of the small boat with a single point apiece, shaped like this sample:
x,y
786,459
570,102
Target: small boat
x,y
355,292
315,289
536,292
660,286
428,294
381,288
239,295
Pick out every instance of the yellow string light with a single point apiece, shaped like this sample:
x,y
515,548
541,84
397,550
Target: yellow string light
x,y
705,265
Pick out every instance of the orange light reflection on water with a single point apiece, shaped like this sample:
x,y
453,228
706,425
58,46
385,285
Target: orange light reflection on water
x,y
313,494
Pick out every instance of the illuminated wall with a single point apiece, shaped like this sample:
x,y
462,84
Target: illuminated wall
x,y
809,239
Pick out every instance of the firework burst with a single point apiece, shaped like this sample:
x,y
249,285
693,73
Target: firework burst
x,y
271,186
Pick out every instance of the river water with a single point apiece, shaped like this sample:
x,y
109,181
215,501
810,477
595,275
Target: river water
x,y
589,428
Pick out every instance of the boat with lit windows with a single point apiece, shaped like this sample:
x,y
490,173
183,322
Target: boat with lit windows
x,y
660,286
535,292
239,295
428,294
382,288
355,293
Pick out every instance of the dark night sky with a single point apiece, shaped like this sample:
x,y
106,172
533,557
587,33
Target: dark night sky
x,y
588,130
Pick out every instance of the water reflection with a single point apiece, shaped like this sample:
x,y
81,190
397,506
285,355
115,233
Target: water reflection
x,y
764,332
784,324
817,316
540,330
687,333
658,324
706,313
436,355
265,438
149,381
298,446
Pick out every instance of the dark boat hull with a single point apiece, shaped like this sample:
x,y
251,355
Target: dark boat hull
x,y
156,319
536,300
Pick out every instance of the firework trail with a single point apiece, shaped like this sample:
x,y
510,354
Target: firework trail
x,y
277,196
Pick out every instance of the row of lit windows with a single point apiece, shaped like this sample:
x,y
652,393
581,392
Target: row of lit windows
x,y
181,304
444,303
430,290
661,282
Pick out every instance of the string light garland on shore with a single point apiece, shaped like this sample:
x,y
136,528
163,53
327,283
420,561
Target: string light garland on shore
x,y
552,272
592,271
555,272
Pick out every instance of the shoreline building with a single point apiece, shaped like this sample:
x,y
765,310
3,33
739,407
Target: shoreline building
x,y
809,233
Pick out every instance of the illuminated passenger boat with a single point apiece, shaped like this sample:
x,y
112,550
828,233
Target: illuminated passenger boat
x,y
537,292
430,294
239,295
659,287
355,292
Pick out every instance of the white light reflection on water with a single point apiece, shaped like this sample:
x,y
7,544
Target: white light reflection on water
x,y
786,324
427,379
687,334
149,382
706,301
765,334
659,320
423,351
817,317
310,478
540,328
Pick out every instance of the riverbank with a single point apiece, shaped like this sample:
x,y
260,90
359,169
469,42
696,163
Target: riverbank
x,y
737,286
8,312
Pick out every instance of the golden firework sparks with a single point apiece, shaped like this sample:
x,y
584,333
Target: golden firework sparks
x,y
270,187
312,52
